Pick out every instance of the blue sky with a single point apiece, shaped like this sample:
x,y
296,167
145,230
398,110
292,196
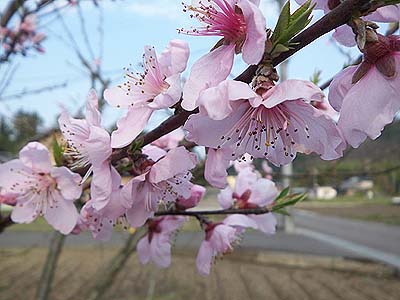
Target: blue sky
x,y
128,26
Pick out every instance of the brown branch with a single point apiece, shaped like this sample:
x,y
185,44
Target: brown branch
x,y
230,211
337,17
10,10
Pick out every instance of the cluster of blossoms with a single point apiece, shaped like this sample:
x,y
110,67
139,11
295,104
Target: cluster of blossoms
x,y
236,122
23,37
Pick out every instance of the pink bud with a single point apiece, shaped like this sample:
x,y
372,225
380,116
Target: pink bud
x,y
197,193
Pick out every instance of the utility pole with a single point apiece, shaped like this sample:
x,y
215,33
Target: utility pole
x,y
286,170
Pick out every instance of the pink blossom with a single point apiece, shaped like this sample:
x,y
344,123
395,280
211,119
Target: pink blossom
x,y
197,193
162,182
274,126
41,189
8,198
241,25
267,170
158,87
156,245
101,222
219,240
367,96
89,146
170,140
250,192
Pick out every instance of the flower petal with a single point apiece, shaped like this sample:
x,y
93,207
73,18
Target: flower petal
x,y
292,89
173,59
143,250
63,216
176,161
340,86
254,45
206,72
204,258
369,105
67,182
215,101
130,126
36,157
215,168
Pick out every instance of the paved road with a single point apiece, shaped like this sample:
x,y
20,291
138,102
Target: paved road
x,y
378,236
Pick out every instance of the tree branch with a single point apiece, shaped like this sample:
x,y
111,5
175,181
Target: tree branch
x,y
337,17
231,211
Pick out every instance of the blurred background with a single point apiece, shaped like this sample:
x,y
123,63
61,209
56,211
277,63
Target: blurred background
x,y
343,242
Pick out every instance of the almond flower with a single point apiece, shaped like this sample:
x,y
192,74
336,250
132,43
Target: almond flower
x,y
41,189
235,120
367,95
89,147
156,245
158,87
250,192
241,25
162,182
219,240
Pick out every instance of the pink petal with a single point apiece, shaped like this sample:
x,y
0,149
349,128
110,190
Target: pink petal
x,y
160,250
101,185
143,250
204,258
215,101
174,58
98,145
130,126
241,221
67,182
12,172
177,160
36,157
169,97
319,4
93,115
340,86
63,216
117,97
292,89
24,212
265,222
215,168
345,36
322,137
154,152
206,72
263,192
170,224
225,199
385,14
254,45
369,105
244,181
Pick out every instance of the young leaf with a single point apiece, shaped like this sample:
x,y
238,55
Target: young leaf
x,y
57,152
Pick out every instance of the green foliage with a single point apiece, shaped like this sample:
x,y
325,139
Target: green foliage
x,y
289,25
284,200
316,77
57,153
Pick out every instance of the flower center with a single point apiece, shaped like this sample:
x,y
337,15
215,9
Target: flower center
x,y
220,18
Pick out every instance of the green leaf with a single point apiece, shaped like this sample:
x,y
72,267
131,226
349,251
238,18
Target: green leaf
x,y
289,25
282,211
294,199
57,152
282,194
